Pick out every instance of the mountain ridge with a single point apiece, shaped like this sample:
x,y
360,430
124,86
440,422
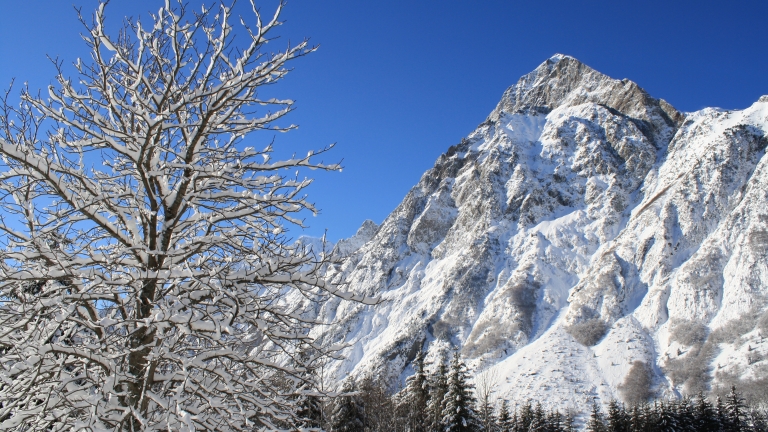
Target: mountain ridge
x,y
580,201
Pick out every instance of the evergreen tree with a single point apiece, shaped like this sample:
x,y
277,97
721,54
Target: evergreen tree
x,y
722,420
650,416
735,411
516,424
596,423
504,419
667,420
539,420
569,425
704,418
417,396
438,387
380,412
636,423
757,421
618,420
348,414
459,401
310,406
686,415
526,417
555,422
310,412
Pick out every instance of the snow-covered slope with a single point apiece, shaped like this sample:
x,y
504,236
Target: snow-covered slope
x,y
581,202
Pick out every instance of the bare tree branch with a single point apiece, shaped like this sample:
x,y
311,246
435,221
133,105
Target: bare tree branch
x,y
145,278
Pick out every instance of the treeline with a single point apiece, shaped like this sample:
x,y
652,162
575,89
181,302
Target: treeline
x,y
447,400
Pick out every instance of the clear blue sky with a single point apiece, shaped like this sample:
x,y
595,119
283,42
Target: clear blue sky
x,y
395,83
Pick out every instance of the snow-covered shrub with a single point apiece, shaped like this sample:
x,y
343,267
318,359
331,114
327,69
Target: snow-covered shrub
x,y
523,296
731,331
589,332
688,332
692,370
753,387
442,330
762,323
636,388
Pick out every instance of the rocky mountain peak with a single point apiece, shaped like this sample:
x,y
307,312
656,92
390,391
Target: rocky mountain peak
x,y
583,224
565,81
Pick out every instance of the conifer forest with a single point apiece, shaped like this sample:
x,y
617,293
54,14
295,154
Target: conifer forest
x,y
445,399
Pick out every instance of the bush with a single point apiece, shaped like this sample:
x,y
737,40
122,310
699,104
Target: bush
x,y
636,388
734,329
694,371
753,388
688,333
589,332
762,324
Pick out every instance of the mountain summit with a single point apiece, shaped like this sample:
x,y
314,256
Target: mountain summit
x,y
584,227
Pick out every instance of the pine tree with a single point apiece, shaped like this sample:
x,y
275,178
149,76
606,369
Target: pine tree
x,y
757,420
539,420
459,401
667,420
348,413
504,419
686,415
310,412
569,425
722,417
516,423
417,396
380,413
735,411
596,423
617,417
555,422
650,416
438,387
704,418
636,423
526,417
310,406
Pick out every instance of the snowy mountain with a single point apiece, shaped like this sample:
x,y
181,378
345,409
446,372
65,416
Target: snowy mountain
x,y
583,226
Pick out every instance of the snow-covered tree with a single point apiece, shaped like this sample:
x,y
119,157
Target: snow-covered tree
x,y
666,418
348,410
417,395
686,415
459,401
146,278
504,421
596,422
735,411
617,418
438,387
555,422
705,417
485,386
637,418
538,420
527,413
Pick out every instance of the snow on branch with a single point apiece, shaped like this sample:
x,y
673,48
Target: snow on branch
x,y
145,280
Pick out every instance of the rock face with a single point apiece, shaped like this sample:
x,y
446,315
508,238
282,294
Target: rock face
x,y
583,226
